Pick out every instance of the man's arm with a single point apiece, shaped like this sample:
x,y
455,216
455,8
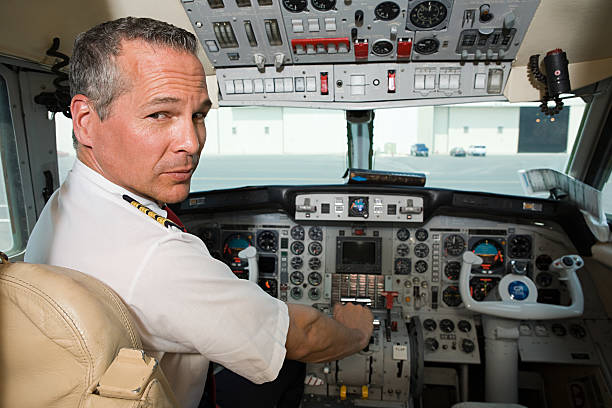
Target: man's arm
x,y
314,337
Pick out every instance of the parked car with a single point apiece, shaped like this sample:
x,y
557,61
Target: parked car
x,y
457,152
477,150
419,149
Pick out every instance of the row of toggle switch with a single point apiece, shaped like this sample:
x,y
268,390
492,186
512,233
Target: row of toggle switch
x,y
297,24
271,85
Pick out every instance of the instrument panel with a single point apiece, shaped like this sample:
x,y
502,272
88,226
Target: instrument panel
x,y
318,262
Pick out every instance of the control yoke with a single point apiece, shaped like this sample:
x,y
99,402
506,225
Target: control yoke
x,y
519,295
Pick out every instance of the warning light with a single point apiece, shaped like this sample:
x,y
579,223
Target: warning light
x,y
268,285
538,120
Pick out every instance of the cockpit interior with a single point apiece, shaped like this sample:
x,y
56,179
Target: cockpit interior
x,y
443,162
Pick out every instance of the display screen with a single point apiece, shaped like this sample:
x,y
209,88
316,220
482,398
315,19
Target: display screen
x,y
267,264
358,253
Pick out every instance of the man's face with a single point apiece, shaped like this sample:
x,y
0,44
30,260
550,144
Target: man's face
x,y
151,141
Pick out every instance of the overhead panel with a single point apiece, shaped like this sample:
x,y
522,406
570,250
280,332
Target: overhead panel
x,y
331,52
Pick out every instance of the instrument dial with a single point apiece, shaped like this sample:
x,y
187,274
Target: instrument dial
x,y
431,344
429,324
315,233
447,325
296,277
295,6
297,233
452,270
314,293
323,5
421,250
467,346
315,278
403,250
387,10
267,241
314,263
520,246
402,266
382,48
559,330
481,286
427,46
428,14
233,244
543,262
315,248
297,248
420,267
454,245
451,296
421,234
296,293
403,234
544,279
269,286
297,262
492,254
464,326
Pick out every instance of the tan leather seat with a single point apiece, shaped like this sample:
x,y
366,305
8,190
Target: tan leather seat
x,y
60,330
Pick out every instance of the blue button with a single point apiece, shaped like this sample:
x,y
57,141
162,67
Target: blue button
x,y
518,290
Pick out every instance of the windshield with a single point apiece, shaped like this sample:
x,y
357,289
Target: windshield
x,y
477,147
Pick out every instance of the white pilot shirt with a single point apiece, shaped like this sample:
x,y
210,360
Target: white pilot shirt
x,y
189,307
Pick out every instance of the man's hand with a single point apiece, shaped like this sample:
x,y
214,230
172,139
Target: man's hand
x,y
355,317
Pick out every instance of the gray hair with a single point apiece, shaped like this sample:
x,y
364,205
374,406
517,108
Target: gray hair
x,y
93,69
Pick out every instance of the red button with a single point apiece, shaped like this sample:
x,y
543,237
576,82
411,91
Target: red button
x,y
404,48
361,49
324,87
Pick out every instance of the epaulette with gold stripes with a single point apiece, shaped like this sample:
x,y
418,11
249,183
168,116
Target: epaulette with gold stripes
x,y
145,210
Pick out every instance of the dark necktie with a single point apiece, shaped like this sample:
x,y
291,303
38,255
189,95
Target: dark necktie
x,y
209,388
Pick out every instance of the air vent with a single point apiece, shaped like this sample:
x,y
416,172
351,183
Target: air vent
x,y
225,34
248,28
273,32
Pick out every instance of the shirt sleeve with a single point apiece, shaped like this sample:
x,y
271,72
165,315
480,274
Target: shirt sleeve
x,y
194,303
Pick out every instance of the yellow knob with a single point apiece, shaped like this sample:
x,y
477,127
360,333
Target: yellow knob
x,y
364,391
343,392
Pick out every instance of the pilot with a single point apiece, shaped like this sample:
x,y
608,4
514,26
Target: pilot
x,y
139,100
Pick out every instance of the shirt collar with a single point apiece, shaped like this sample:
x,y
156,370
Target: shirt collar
x,y
80,169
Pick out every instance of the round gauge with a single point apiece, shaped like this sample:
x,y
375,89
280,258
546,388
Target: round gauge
x,y
403,234
431,344
297,248
519,246
543,262
296,277
447,325
491,252
559,330
314,293
296,292
295,6
577,331
314,263
420,266
428,14
452,270
315,233
467,346
387,10
315,248
323,5
451,296
481,286
269,286
429,324
464,326
403,250
382,48
296,262
454,245
427,46
315,278
297,233
267,241
402,266
421,234
421,250
544,279
233,244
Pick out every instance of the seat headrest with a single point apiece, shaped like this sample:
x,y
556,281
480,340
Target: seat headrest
x,y
58,327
